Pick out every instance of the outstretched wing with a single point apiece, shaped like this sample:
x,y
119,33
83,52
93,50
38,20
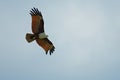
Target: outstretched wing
x,y
37,21
46,44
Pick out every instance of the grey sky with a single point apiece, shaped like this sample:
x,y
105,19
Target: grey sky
x,y
86,34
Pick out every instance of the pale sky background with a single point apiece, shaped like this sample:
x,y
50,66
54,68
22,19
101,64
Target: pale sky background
x,y
86,34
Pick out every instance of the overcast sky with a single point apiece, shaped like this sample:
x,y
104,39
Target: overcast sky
x,y
86,34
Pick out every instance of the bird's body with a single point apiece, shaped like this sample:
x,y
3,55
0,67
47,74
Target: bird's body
x,y
38,32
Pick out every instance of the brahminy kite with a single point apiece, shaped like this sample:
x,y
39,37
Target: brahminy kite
x,y
38,32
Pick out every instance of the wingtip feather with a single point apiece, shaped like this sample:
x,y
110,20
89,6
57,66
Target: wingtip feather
x,y
35,11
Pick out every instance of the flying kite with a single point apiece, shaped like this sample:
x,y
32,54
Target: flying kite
x,y
38,32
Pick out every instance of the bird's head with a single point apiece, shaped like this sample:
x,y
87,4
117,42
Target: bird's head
x,y
42,35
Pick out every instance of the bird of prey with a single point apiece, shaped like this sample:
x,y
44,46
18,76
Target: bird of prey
x,y
38,32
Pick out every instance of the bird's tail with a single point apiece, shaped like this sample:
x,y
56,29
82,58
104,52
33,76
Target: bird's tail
x,y
30,37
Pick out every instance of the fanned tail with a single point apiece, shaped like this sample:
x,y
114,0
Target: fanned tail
x,y
30,37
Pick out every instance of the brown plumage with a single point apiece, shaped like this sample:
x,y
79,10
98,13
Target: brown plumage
x,y
38,32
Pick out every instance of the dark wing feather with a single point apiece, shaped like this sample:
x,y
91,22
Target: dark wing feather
x,y
35,12
37,21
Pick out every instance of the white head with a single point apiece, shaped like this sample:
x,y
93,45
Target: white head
x,y
42,35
